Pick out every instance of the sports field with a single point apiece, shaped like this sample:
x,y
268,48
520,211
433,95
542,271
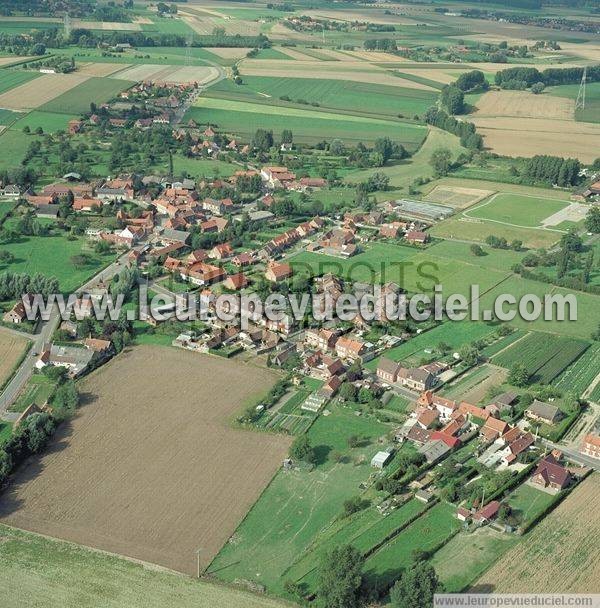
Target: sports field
x,y
145,475
558,555
103,580
516,210
244,118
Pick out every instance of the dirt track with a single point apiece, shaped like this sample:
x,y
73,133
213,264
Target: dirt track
x,y
150,467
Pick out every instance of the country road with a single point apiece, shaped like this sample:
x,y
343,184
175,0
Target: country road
x,y
44,335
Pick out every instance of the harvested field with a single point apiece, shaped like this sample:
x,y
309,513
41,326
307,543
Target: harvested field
x,y
150,468
294,53
11,350
229,53
528,136
522,104
100,69
37,92
172,74
559,555
109,26
375,56
205,25
457,197
9,60
441,76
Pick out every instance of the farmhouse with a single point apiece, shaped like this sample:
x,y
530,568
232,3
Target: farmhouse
x,y
434,450
487,513
416,236
591,445
445,407
18,314
350,348
75,359
235,282
550,474
543,412
321,339
278,272
387,370
416,378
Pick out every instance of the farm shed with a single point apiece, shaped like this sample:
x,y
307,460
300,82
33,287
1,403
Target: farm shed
x,y
380,459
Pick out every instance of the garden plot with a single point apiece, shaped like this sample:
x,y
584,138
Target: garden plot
x,y
37,92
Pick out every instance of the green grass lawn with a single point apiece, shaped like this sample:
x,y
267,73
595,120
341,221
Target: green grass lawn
x,y
49,121
384,100
428,531
591,112
455,334
307,125
527,502
201,167
9,79
38,391
51,256
38,571
468,555
5,432
519,210
78,99
298,505
5,208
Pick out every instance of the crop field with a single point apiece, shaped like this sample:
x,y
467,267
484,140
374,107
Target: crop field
x,y
457,197
171,74
51,256
78,99
384,100
103,580
528,136
9,79
523,104
579,375
298,505
12,348
462,560
558,555
518,210
307,125
502,343
39,91
99,69
132,450
205,24
544,355
358,71
427,532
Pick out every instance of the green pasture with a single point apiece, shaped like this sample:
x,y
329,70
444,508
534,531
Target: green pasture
x,y
9,79
245,118
591,112
49,121
299,505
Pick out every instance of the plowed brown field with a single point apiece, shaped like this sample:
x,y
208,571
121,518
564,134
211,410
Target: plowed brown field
x,y
150,467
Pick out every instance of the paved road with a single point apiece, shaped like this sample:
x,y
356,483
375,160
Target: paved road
x,y
574,454
44,334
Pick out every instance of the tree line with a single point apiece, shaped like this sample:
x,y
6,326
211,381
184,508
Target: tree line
x,y
469,138
14,285
524,77
550,170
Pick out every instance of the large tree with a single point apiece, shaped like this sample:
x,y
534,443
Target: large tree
x,y
415,588
340,577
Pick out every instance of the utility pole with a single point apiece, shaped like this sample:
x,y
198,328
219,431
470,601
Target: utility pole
x,y
198,551
188,49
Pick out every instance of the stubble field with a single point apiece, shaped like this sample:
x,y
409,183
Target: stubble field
x,y
559,555
11,349
150,467
37,92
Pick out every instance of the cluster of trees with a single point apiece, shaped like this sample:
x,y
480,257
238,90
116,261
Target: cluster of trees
x,y
469,138
499,242
452,99
551,170
524,77
471,81
380,44
343,585
14,285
